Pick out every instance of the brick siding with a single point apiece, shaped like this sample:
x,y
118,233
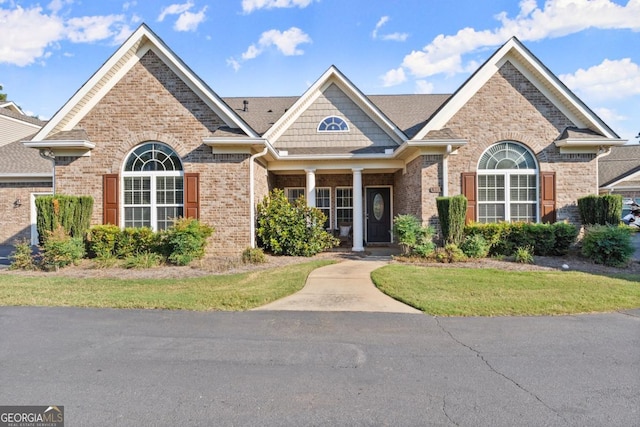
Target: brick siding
x,y
16,224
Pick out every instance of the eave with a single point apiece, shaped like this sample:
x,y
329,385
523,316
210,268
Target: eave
x,y
587,145
71,148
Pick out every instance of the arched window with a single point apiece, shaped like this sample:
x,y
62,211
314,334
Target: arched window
x,y
153,187
507,184
333,124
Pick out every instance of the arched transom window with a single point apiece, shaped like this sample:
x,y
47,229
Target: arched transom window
x,y
153,187
333,124
507,184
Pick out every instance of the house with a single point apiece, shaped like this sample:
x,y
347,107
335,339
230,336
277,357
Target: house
x,y
151,141
23,174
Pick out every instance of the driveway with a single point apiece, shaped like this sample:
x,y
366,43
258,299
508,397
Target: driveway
x,y
269,368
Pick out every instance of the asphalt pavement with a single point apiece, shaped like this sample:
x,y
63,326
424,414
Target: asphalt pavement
x,y
137,367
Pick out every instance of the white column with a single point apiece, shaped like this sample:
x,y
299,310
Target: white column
x,y
358,211
311,187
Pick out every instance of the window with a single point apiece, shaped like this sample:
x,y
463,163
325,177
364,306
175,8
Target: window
x,y
333,124
507,184
293,194
153,186
323,202
344,205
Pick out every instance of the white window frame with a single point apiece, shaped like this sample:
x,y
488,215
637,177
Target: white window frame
x,y
152,175
508,173
332,117
325,209
289,190
336,208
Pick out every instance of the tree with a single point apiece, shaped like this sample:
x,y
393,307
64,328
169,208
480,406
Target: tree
x,y
3,96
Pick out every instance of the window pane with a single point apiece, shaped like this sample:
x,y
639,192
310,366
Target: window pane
x,y
523,212
491,212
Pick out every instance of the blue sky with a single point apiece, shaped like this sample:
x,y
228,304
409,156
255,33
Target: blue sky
x,y
48,49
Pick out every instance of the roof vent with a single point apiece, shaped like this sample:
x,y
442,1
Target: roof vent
x,y
245,105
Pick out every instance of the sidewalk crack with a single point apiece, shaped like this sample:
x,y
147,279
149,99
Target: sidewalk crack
x,y
444,411
495,371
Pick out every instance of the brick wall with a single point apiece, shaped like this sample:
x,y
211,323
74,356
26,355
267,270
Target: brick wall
x,y
509,107
17,219
151,103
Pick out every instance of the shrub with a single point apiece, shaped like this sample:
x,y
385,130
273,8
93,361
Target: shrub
x,y
253,256
450,253
101,241
524,255
291,229
607,244
600,210
185,240
545,239
412,236
143,260
451,214
22,257
475,246
566,235
61,250
132,241
72,213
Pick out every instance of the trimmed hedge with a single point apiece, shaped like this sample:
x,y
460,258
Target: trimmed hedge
x,y
600,210
451,214
607,244
545,239
72,213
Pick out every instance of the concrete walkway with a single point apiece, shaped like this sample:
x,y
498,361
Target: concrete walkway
x,y
345,286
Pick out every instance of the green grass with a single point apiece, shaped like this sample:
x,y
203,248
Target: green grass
x,y
491,292
217,292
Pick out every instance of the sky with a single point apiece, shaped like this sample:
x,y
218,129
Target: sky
x,y
50,48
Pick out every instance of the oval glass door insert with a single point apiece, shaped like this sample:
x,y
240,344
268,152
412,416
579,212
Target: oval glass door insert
x,y
378,206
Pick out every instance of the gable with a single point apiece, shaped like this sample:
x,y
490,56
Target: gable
x,y
15,126
150,97
141,42
508,101
537,75
363,131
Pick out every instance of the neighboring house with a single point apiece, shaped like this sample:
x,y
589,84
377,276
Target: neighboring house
x,y
23,174
150,141
619,172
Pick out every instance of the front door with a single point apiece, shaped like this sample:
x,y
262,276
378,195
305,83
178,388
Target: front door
x,y
378,215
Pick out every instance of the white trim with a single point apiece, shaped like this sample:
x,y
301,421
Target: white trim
x,y
20,121
333,76
514,52
318,130
129,54
33,216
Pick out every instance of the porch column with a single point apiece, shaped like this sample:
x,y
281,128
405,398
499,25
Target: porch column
x,y
311,187
358,211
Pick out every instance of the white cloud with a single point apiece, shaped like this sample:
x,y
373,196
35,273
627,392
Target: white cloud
x,y
398,37
609,80
555,19
609,115
423,86
92,28
379,25
249,6
174,9
394,77
189,21
232,62
286,42
27,33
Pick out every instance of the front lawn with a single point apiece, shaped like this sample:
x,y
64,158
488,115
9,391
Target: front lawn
x,y
217,292
491,292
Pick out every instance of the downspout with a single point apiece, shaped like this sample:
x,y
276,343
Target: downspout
x,y
252,196
48,154
445,172
602,152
